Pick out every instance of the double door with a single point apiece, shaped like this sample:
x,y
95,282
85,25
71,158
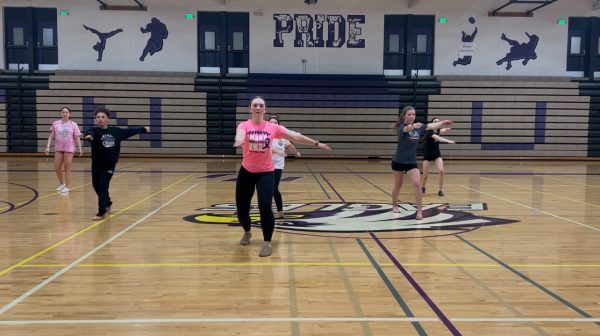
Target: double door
x,y
408,45
223,42
583,54
31,38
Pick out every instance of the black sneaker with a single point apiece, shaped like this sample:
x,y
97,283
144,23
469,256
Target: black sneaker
x,y
423,190
441,193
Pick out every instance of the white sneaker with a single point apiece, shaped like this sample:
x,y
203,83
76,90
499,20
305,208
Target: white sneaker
x,y
59,188
64,190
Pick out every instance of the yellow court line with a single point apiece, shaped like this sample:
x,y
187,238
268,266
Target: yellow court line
x,y
541,192
317,264
78,233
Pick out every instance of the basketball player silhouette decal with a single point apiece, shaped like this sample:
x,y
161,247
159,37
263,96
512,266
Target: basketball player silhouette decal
x,y
519,51
158,32
100,46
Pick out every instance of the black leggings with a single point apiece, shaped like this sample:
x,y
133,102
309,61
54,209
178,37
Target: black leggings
x,y
101,175
244,190
276,193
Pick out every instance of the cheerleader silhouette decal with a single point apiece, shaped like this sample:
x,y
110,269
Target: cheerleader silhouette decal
x,y
100,46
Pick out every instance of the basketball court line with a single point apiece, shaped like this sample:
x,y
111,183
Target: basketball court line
x,y
354,301
84,230
530,281
317,179
572,182
312,264
18,205
306,319
292,286
513,310
386,280
88,254
539,192
531,208
443,318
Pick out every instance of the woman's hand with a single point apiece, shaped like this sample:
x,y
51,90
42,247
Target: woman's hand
x,y
323,146
47,151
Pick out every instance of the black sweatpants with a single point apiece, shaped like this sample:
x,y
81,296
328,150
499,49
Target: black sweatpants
x,y
244,190
101,175
276,193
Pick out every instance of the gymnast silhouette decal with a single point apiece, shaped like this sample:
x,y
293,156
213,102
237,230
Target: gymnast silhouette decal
x,y
100,46
467,42
158,32
524,51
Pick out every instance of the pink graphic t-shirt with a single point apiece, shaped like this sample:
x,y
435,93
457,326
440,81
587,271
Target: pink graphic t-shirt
x,y
64,135
257,145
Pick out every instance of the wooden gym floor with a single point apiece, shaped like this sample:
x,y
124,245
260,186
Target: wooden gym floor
x,y
512,249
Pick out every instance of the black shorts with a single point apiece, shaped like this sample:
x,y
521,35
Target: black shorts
x,y
403,167
431,157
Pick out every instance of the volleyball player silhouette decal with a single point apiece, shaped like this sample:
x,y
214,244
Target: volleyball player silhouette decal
x,y
519,51
467,47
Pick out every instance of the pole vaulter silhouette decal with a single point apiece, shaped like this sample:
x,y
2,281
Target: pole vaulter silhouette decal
x,y
524,51
158,32
468,47
100,46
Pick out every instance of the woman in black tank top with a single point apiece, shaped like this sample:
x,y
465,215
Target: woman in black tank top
x,y
432,154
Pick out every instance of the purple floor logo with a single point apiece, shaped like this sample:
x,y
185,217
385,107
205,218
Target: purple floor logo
x,y
322,217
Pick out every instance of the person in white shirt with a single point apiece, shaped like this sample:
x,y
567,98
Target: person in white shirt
x,y
279,146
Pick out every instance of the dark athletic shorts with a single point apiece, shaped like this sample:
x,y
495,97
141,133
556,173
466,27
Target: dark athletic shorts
x,y
403,167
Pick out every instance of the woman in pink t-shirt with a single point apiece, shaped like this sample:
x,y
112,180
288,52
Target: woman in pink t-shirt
x,y
257,171
65,133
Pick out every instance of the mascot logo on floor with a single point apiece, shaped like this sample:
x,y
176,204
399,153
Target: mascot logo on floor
x,y
360,217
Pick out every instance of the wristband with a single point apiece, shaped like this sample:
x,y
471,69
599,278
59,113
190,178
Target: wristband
x,y
317,143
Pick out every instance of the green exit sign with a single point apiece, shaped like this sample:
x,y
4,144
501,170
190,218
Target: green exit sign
x,y
189,16
64,12
442,19
561,21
